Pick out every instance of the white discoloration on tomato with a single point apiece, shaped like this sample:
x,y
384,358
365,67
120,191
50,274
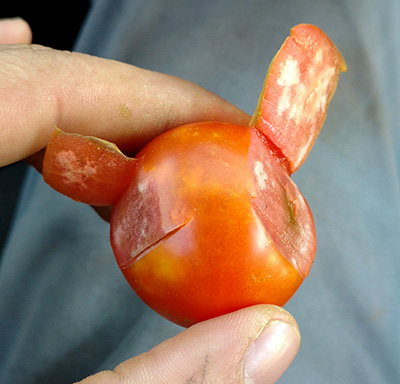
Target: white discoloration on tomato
x,y
260,175
284,101
142,186
294,99
119,232
297,92
136,221
289,80
262,241
282,210
322,90
144,228
290,73
74,170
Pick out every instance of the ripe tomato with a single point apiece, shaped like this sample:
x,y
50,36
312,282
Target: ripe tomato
x,y
210,224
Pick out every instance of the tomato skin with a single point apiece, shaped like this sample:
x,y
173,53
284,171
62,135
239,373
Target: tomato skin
x,y
299,85
87,169
188,235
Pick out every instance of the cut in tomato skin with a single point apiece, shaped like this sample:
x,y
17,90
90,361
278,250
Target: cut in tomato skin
x,y
200,221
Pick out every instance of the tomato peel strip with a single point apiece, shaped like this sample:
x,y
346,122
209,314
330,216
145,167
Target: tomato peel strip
x,y
87,169
299,85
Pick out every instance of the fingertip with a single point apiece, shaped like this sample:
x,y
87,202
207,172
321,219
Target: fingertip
x,y
15,31
261,341
272,352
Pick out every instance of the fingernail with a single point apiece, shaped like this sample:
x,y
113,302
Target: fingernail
x,y
271,353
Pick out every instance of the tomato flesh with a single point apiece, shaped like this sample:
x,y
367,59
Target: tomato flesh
x,y
199,231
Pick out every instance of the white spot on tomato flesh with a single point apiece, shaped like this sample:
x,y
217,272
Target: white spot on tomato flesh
x,y
142,186
260,175
75,170
289,80
290,73
321,92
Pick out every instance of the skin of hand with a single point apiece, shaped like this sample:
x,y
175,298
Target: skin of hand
x,y
15,31
41,88
253,346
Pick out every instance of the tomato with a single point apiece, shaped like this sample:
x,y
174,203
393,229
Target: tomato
x,y
199,231
206,219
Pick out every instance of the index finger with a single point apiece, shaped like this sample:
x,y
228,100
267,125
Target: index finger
x,y
41,88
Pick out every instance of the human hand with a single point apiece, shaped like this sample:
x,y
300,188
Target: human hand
x,y
41,88
254,345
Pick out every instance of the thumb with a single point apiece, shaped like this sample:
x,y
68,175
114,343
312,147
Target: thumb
x,y
253,345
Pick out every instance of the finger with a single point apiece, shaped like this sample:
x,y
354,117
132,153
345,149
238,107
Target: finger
x,y
41,88
15,31
254,345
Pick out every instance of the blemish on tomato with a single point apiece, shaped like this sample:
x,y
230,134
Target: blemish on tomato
x,y
321,91
260,175
75,170
289,80
290,73
142,186
291,206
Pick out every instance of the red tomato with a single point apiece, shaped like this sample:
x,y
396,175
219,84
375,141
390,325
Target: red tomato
x,y
210,224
